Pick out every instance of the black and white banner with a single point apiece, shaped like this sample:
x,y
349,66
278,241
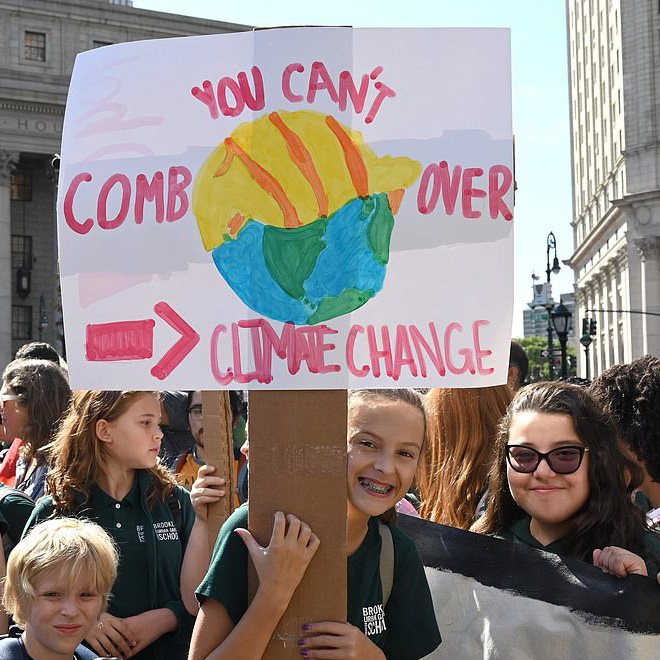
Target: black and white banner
x,y
496,600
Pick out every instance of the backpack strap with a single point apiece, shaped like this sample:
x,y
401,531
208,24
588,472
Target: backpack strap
x,y
386,560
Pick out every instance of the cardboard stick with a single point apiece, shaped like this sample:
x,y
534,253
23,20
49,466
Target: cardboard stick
x,y
298,466
219,451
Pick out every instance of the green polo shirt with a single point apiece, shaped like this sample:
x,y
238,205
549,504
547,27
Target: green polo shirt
x,y
405,629
15,510
151,555
519,533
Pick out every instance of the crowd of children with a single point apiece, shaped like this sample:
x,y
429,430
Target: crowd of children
x,y
110,493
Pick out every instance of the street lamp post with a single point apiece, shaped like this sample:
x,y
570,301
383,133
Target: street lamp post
x,y
561,319
43,316
551,244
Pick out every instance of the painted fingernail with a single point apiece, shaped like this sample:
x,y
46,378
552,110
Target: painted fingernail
x,y
303,652
306,626
301,642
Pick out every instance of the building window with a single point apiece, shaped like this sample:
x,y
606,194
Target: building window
x,y
20,185
99,44
21,322
35,46
21,251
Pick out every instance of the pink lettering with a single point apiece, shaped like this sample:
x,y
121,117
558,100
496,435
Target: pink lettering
x,y
436,356
150,192
286,82
347,88
468,363
320,80
350,348
79,228
177,190
403,353
222,377
479,353
377,354
207,97
102,203
469,192
496,192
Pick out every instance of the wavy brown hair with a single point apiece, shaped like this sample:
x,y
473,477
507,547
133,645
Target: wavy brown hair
x,y
609,517
453,471
43,390
78,456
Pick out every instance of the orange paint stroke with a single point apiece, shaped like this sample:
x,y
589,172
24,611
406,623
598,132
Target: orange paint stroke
x,y
236,223
303,161
268,182
226,163
353,157
395,197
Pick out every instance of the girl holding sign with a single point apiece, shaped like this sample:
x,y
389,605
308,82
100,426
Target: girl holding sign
x,y
386,435
106,469
560,483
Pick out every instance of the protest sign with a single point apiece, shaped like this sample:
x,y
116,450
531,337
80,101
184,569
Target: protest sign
x,y
493,599
308,208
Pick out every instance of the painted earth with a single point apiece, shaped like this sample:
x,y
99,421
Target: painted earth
x,y
309,274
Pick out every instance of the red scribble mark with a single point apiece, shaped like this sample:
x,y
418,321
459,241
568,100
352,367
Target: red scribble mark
x,y
122,340
189,339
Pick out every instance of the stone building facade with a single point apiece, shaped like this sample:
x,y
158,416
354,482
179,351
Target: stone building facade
x,y
614,68
39,41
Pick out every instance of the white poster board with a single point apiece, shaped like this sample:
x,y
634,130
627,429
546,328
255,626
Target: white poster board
x,y
302,208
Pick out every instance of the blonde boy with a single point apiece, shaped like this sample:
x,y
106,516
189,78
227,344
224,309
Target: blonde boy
x,y
58,582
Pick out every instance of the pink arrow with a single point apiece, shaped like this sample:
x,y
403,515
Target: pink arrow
x,y
189,339
134,340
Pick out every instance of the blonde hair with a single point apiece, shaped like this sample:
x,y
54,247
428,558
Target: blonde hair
x,y
80,549
453,471
78,456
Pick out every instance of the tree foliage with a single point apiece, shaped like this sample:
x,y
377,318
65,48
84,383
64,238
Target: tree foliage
x,y
538,365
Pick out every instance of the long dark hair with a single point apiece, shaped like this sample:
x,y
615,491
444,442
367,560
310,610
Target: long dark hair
x,y
609,517
43,389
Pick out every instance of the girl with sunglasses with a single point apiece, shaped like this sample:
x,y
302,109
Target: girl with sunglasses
x,y
560,483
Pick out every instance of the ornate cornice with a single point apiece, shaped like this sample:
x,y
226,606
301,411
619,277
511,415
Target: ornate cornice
x,y
37,108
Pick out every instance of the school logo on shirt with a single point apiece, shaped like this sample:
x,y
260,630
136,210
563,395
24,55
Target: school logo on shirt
x,y
373,620
165,531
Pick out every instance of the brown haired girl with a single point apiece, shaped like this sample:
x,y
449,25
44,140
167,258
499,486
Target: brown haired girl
x,y
453,472
106,468
35,395
559,483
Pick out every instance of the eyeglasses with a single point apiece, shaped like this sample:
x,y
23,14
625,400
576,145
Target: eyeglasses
x,y
562,460
195,412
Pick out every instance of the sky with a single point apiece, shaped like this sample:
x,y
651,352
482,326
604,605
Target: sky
x,y
540,99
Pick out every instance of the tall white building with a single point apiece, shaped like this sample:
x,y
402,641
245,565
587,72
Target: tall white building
x,y
614,68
